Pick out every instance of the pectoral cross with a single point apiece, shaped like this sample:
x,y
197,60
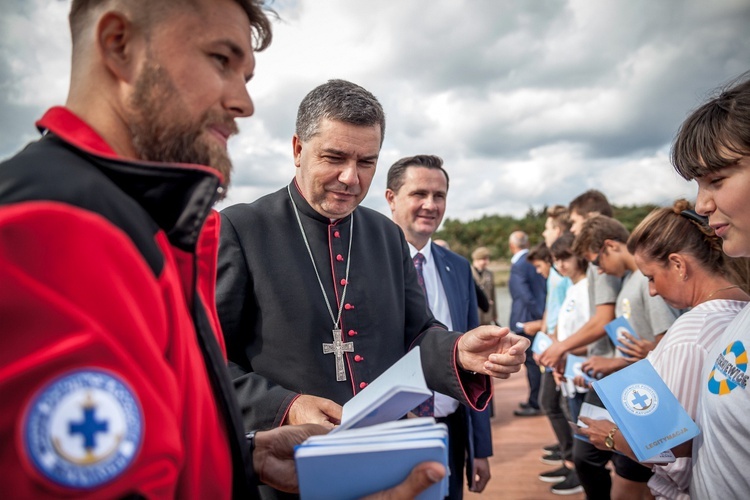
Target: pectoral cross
x,y
338,348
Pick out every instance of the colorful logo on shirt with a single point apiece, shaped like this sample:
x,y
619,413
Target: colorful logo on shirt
x,y
640,399
83,429
729,371
626,308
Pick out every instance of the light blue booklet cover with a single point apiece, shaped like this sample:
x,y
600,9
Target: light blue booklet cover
x,y
541,343
597,413
615,328
573,368
647,413
358,462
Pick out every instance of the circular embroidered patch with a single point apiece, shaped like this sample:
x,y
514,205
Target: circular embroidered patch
x,y
83,429
640,399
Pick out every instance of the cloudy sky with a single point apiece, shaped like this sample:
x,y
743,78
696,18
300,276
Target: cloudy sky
x,y
529,102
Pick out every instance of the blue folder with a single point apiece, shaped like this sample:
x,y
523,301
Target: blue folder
x,y
649,416
615,328
541,343
573,368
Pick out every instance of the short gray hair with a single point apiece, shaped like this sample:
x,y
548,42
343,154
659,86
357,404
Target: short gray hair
x,y
342,101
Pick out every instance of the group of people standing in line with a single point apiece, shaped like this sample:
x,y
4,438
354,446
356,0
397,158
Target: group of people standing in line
x,y
155,348
681,278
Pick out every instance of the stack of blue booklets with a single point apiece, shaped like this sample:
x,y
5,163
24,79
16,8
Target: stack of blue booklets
x,y
371,450
648,414
615,329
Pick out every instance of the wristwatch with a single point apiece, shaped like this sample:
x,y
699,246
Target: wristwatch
x,y
609,441
250,436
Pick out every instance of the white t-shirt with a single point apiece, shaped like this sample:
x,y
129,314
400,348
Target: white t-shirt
x,y
721,452
574,313
679,359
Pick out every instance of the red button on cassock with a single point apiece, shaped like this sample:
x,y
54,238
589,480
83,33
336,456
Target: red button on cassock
x,y
358,358
362,385
343,282
352,333
340,258
336,234
348,306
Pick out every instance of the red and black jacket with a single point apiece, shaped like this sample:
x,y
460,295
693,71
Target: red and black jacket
x,y
108,265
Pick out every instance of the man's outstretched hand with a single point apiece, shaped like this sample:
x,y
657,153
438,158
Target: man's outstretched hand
x,y
492,350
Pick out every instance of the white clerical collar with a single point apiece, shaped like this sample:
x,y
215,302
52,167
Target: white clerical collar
x,y
518,255
426,250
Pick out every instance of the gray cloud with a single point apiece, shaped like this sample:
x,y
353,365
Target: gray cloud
x,y
529,103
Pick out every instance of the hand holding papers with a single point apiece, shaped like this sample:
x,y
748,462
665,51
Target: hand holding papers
x,y
573,369
375,451
615,329
601,424
541,342
649,416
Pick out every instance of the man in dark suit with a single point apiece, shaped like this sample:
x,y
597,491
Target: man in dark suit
x,y
416,193
528,292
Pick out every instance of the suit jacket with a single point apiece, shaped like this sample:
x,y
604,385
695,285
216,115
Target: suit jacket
x,y
528,292
458,283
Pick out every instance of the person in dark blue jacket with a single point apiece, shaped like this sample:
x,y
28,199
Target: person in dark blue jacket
x,y
416,194
528,292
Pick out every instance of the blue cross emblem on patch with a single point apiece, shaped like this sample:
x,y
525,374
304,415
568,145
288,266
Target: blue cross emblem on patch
x,y
83,429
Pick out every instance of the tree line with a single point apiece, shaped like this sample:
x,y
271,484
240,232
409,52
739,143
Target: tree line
x,y
492,231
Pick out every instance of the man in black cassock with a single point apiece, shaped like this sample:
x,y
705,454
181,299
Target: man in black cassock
x,y
318,296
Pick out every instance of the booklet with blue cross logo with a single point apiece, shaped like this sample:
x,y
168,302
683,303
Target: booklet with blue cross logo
x,y
615,329
376,450
648,414
541,342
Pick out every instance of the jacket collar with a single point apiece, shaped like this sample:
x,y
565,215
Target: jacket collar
x,y
178,197
304,207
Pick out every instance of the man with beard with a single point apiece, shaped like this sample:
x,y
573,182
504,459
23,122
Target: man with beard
x,y
113,379
328,298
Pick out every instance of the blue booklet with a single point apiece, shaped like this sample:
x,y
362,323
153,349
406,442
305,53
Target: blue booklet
x,y
573,368
541,343
649,416
389,397
616,327
597,413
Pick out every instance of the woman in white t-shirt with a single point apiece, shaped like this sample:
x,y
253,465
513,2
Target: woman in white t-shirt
x,y
684,263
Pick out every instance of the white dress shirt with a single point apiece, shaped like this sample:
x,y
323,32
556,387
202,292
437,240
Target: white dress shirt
x,y
444,405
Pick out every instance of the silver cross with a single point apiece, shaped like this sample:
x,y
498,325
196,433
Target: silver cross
x,y
338,348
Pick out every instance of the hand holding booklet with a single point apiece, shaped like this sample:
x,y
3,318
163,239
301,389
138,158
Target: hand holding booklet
x,y
615,329
573,368
541,342
597,413
372,450
648,414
